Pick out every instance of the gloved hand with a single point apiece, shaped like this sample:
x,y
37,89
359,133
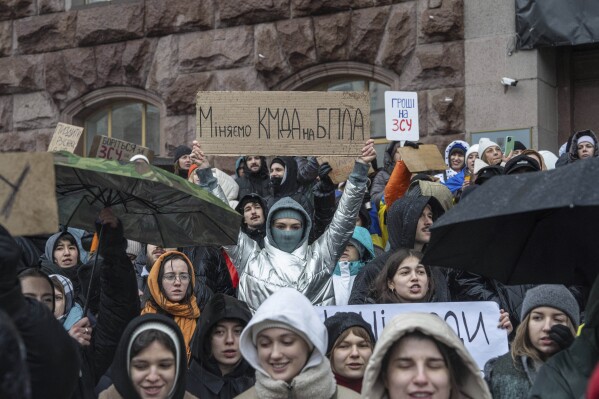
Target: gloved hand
x,y
412,144
561,335
325,180
324,170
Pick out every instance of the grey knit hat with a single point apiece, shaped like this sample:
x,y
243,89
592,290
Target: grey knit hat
x,y
552,295
290,213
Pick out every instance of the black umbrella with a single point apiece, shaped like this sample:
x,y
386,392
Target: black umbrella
x,y
539,227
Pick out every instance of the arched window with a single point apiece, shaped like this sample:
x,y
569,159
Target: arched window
x,y
133,121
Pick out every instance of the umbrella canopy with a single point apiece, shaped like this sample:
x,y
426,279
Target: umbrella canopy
x,y
154,206
538,227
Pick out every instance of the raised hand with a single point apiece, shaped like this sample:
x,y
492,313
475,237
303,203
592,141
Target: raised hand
x,y
198,157
368,152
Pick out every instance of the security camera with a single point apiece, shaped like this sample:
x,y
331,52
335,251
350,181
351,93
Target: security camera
x,y
509,82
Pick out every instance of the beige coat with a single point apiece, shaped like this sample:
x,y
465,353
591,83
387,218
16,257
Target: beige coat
x,y
373,387
112,393
342,393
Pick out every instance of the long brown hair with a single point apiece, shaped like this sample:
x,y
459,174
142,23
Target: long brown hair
x,y
380,290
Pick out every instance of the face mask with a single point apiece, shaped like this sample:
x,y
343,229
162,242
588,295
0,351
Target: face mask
x,y
287,240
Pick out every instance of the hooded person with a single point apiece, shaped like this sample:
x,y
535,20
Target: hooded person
x,y
66,310
171,284
455,159
357,253
255,177
14,376
254,210
566,374
182,161
286,328
408,221
582,145
63,256
420,339
456,183
150,361
239,168
217,369
284,183
288,260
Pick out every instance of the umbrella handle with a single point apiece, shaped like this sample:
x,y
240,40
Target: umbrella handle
x,y
91,278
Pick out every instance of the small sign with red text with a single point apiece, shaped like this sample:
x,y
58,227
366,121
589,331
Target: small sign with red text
x,y
401,116
120,150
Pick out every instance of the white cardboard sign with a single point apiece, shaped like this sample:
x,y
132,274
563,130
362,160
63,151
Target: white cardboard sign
x,y
475,323
401,116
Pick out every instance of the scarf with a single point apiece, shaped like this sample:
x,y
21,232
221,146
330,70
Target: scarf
x,y
185,315
351,383
315,382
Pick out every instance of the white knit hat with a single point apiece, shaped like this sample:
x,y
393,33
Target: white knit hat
x,y
473,148
133,248
483,144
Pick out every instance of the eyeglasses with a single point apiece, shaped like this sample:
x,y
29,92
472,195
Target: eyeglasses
x,y
170,277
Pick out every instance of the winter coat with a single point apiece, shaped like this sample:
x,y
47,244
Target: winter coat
x,y
565,375
316,380
377,190
571,155
309,267
204,378
509,379
472,385
402,220
52,356
123,387
449,173
257,183
345,272
212,274
229,186
73,312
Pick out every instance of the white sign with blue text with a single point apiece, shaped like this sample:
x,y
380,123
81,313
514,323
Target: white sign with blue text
x,y
474,322
401,116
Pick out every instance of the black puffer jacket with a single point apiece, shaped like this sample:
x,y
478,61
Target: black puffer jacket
x,y
212,273
204,378
254,182
52,356
566,374
402,219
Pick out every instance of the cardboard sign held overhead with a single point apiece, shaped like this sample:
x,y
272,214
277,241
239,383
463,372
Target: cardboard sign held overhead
x,y
401,116
283,123
27,193
120,150
65,138
426,157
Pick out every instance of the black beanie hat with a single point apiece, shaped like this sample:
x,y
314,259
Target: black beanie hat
x,y
180,151
341,321
519,146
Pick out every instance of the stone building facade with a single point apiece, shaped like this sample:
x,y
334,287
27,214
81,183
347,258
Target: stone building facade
x,y
62,61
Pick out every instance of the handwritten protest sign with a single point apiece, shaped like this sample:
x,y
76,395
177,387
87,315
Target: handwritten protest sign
x,y
283,123
401,116
474,322
27,193
426,157
342,167
65,138
120,150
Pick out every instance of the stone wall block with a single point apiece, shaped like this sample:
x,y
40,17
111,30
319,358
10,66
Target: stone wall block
x,y
137,60
296,38
13,9
6,107
5,38
50,6
174,16
441,21
332,36
446,111
243,79
423,113
109,65
69,74
34,111
399,40
367,28
18,142
215,49
110,23
315,7
246,12
434,66
180,98
45,33
163,69
270,61
21,74
175,129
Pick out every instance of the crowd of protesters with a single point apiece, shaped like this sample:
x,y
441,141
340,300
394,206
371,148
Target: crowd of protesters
x,y
240,320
